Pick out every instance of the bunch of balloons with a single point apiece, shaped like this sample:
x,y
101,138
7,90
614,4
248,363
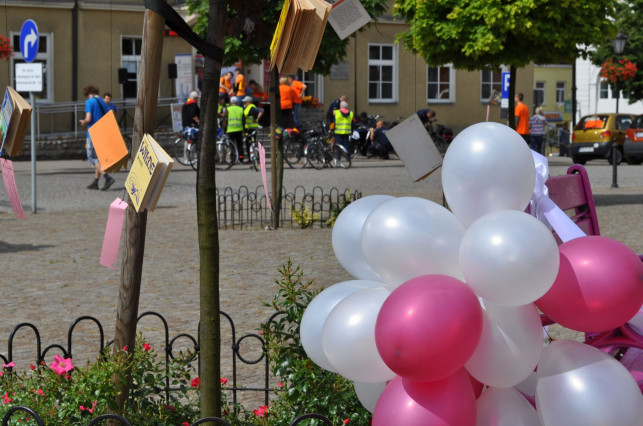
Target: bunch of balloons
x,y
444,302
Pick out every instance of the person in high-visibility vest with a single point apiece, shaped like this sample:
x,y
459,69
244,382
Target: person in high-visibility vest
x,y
344,120
234,128
251,116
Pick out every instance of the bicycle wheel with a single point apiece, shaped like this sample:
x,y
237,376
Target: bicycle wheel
x,y
180,151
294,155
440,144
341,157
254,156
227,153
192,154
315,156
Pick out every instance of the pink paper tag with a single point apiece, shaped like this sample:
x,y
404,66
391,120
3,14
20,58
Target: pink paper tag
x,y
262,161
113,231
10,185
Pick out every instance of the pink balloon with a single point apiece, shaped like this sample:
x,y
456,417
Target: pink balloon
x,y
447,402
428,327
599,285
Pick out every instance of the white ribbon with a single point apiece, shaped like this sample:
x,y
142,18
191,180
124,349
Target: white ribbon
x,y
545,210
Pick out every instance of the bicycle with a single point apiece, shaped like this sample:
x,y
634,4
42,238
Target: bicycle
x,y
185,151
295,147
436,135
324,152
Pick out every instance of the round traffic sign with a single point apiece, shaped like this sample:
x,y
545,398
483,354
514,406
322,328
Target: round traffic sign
x,y
29,40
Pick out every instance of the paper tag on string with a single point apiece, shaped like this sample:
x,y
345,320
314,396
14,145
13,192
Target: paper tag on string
x,y
9,179
113,232
347,16
262,162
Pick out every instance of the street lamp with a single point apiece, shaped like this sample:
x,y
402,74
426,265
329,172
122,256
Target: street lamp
x,y
618,44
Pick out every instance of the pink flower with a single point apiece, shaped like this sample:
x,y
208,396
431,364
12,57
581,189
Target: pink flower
x,y
146,347
1,374
61,365
40,392
224,381
6,398
196,382
280,384
262,411
10,365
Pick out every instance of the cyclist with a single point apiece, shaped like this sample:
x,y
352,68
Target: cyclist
x,y
251,117
190,116
234,128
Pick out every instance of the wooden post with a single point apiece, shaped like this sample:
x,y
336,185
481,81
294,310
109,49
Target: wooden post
x,y
144,117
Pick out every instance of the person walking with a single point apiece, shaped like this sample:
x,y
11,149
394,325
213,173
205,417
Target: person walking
x,y
234,125
521,113
299,88
286,95
344,120
537,127
95,108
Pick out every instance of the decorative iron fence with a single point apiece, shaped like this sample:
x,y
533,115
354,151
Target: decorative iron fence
x,y
244,208
234,350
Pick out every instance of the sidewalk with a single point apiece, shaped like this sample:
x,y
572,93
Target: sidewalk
x,y
49,262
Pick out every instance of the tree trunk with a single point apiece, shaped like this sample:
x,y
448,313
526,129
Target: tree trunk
x,y
210,342
276,149
132,266
512,95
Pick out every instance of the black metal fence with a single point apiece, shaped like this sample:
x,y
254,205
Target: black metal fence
x,y
234,349
244,208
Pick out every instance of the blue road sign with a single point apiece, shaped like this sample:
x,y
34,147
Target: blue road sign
x,y
29,40
505,85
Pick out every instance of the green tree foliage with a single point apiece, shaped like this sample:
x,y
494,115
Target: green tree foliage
x,y
628,16
251,23
474,34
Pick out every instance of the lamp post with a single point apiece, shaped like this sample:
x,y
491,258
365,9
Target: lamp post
x,y
618,44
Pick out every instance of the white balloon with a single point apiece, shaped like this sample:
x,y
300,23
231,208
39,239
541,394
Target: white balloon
x,y
408,237
505,407
348,337
509,257
347,236
637,321
317,311
509,347
581,385
369,393
487,167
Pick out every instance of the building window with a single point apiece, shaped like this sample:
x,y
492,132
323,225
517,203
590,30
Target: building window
x,y
440,84
490,80
45,57
382,73
539,93
560,92
314,85
603,91
131,61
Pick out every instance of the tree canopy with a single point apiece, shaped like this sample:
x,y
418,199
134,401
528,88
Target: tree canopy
x,y
250,25
628,21
474,34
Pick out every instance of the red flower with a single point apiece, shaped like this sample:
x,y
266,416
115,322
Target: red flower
x,y
185,424
224,381
346,421
125,348
146,347
196,382
623,70
33,367
262,411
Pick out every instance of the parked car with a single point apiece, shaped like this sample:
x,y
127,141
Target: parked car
x,y
594,134
633,145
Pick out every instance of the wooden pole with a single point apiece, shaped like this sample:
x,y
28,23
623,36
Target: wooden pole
x,y
276,148
144,117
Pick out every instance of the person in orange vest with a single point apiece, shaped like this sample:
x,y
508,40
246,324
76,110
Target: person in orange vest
x,y
225,85
239,83
286,95
522,118
299,89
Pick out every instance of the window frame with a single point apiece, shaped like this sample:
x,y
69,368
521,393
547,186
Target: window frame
x,y
48,67
131,58
393,63
561,92
542,90
451,84
490,83
317,81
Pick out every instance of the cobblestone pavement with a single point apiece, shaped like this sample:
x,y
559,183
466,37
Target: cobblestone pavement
x,y
49,266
